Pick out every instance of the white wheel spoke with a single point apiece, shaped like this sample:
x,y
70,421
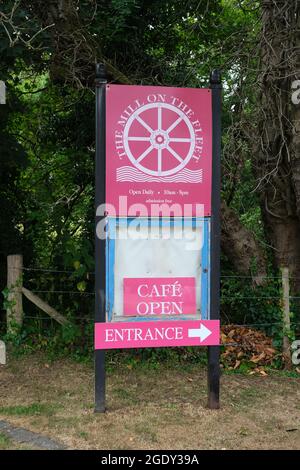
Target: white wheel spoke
x,y
159,118
147,147
179,139
144,154
175,154
144,124
175,123
159,161
139,139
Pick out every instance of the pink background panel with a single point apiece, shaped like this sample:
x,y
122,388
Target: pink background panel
x,y
159,296
155,334
188,185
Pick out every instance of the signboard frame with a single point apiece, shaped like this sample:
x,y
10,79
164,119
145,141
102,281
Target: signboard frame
x,y
203,223
213,371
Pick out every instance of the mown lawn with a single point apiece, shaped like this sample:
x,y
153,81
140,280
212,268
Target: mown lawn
x,y
161,408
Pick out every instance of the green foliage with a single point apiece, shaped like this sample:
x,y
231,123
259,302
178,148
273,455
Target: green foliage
x,y
73,340
260,306
152,358
77,341
47,144
7,303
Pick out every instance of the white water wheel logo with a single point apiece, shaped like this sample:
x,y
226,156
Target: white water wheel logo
x,y
160,140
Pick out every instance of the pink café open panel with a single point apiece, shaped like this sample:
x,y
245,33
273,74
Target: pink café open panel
x,y
159,296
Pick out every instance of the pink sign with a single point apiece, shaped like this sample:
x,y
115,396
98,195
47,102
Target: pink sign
x,y
158,151
157,334
161,296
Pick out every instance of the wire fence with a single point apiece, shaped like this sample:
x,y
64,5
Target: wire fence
x,y
234,325
227,276
61,292
92,273
76,274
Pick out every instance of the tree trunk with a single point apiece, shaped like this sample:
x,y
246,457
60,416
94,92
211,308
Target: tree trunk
x,y
276,163
75,51
241,247
14,310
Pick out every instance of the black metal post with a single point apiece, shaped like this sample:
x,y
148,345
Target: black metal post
x,y
100,268
213,371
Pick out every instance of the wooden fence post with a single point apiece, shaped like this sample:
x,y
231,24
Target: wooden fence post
x,y
2,353
14,309
286,349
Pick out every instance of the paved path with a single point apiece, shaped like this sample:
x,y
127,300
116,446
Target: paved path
x,y
24,436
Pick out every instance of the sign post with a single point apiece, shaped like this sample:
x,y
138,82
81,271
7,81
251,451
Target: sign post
x,y
213,370
157,266
100,243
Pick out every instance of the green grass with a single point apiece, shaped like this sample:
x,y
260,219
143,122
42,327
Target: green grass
x,y
83,435
29,410
244,396
293,374
5,442
246,368
123,393
145,431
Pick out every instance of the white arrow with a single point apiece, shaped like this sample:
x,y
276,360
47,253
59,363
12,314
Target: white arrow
x,y
201,332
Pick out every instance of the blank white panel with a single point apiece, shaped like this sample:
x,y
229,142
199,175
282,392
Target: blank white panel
x,y
140,255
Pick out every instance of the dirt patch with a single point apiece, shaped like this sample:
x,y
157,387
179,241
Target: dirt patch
x,y
149,409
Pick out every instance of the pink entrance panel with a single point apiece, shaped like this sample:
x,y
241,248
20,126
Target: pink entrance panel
x,y
157,334
146,297
158,151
